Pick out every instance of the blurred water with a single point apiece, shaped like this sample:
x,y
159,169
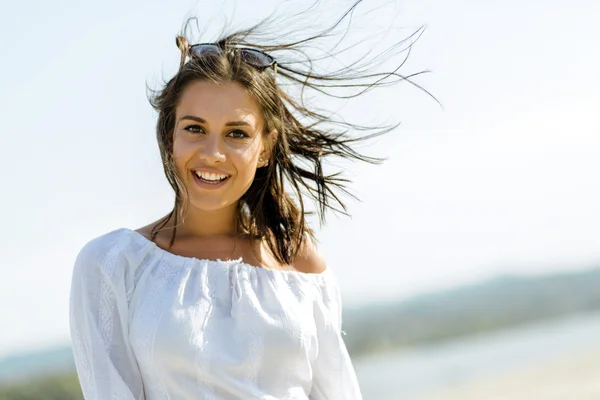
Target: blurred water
x,y
404,374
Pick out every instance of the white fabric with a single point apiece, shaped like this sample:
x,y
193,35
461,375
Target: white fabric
x,y
149,324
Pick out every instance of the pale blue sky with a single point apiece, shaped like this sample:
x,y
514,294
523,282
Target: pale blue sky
x,y
504,179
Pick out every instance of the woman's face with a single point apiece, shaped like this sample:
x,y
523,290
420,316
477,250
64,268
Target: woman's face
x,y
217,143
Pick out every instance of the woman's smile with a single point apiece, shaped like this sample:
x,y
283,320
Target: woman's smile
x,y
210,180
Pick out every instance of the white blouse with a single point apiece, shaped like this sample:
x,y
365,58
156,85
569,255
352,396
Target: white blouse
x,y
147,324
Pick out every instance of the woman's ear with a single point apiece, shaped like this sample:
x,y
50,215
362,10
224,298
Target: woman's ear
x,y
272,139
269,144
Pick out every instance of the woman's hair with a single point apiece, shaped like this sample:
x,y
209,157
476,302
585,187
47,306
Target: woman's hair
x,y
273,207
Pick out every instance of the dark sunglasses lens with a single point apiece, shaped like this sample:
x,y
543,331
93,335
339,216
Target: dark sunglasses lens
x,y
203,49
256,58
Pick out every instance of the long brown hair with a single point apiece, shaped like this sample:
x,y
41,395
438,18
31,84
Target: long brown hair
x,y
273,207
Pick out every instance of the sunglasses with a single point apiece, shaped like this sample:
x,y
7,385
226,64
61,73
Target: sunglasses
x,y
256,58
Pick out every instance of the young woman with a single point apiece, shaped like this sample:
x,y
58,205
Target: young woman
x,y
226,296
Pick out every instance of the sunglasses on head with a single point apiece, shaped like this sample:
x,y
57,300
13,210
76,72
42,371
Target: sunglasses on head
x,y
256,58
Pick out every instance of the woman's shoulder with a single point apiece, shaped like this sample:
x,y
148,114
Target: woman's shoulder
x,y
99,247
309,259
111,251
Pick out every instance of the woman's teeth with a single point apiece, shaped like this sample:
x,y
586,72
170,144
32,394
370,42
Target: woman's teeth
x,y
210,176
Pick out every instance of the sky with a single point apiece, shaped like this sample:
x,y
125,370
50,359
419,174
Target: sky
x,y
502,178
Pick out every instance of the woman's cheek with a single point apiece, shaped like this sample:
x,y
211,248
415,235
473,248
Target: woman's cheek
x,y
246,159
182,153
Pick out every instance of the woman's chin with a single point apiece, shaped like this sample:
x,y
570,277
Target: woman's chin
x,y
208,204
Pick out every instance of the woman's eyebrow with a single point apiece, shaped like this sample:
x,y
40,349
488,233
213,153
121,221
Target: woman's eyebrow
x,y
237,123
193,118
203,121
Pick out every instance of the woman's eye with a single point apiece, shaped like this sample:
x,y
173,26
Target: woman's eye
x,y
194,129
238,134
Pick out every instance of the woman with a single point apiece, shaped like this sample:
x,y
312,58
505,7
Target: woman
x,y
226,296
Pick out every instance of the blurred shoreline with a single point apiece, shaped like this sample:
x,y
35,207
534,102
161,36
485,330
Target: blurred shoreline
x,y
576,376
459,365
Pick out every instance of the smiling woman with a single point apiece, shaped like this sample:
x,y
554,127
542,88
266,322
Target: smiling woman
x,y
226,296
218,144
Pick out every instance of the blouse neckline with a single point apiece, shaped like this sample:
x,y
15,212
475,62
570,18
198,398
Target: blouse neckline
x,y
227,264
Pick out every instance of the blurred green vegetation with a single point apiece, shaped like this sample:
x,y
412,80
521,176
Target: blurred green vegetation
x,y
51,387
501,303
497,304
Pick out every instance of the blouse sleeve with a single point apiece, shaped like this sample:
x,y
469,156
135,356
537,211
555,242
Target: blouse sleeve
x,y
98,314
333,373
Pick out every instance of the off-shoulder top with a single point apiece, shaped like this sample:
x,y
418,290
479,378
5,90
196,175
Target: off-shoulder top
x,y
147,324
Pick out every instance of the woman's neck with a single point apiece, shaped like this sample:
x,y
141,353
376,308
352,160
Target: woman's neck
x,y
201,223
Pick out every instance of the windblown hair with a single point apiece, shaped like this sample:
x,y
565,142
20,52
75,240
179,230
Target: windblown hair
x,y
306,136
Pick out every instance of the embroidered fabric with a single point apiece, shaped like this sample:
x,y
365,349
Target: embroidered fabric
x,y
147,324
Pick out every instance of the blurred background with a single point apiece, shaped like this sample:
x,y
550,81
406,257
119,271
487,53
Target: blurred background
x,y
470,268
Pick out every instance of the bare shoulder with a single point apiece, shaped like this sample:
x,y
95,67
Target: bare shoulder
x,y
309,260
159,237
147,230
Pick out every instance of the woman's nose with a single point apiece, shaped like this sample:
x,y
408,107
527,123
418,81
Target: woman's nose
x,y
212,149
